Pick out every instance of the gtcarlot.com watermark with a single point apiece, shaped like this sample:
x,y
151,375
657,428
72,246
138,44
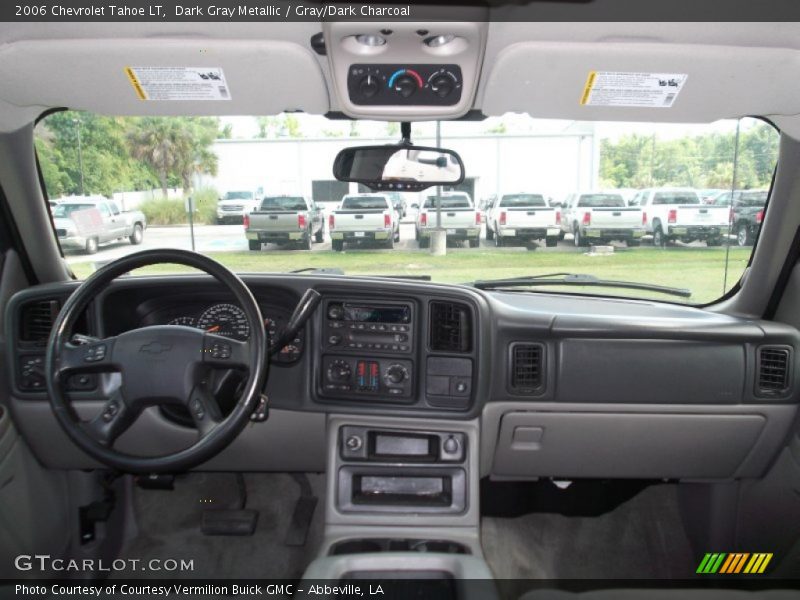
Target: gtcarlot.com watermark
x,y
45,563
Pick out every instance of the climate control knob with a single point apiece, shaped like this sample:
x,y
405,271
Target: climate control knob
x,y
396,374
405,85
442,85
339,370
369,86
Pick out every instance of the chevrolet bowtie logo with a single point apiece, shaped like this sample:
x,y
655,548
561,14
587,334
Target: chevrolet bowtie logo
x,y
155,348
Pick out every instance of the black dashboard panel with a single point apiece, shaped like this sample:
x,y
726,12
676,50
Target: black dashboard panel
x,y
455,348
563,386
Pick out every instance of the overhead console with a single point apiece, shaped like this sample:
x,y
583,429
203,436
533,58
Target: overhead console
x,y
409,71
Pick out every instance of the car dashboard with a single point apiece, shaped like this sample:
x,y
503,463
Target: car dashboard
x,y
546,385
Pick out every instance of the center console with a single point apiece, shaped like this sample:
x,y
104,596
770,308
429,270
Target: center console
x,y
367,351
402,501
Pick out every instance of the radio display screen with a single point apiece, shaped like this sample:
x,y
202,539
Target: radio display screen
x,y
377,314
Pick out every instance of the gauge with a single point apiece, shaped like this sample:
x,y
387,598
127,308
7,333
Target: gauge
x,y
185,321
225,319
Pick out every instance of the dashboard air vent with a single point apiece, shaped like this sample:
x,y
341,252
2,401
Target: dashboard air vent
x,y
773,369
451,327
37,320
526,367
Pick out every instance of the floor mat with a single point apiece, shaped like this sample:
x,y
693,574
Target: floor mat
x,y
169,527
641,538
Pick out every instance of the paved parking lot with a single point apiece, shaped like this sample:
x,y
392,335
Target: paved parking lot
x,y
230,238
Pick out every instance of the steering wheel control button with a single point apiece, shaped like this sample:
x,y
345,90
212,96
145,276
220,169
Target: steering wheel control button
x,y
111,411
220,350
198,410
95,353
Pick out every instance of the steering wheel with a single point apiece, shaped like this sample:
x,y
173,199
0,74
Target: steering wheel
x,y
158,365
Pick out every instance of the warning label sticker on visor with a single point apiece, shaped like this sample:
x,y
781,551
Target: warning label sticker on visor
x,y
178,83
619,88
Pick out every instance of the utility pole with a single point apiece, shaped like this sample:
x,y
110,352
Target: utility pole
x,y
77,123
438,187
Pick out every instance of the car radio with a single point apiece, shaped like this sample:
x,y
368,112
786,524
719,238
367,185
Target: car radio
x,y
357,327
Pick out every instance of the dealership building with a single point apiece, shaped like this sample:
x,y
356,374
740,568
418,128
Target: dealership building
x,y
552,163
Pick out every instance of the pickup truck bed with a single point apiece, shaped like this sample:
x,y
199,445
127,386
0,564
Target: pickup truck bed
x,y
284,220
368,218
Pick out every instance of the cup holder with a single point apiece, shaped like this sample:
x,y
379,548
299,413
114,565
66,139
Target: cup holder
x,y
375,545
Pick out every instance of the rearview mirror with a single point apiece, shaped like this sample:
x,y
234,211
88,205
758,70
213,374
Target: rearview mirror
x,y
402,168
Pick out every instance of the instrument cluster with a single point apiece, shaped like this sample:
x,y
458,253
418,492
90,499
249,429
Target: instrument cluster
x,y
229,320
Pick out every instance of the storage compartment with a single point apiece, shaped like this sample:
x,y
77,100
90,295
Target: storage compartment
x,y
634,445
402,490
371,545
387,489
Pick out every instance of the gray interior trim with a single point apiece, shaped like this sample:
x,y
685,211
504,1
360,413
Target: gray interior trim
x,y
468,536
287,441
642,441
332,568
408,517
781,220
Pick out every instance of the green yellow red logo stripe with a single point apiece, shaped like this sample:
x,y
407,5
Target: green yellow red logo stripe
x,y
732,563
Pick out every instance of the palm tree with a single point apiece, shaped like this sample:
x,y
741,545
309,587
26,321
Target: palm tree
x,y
174,146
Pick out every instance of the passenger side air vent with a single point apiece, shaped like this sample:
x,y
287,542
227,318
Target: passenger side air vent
x,y
774,367
451,327
527,368
37,320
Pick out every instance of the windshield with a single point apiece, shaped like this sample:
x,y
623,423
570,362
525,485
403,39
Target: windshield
x,y
65,210
238,196
283,203
451,201
601,200
683,227
522,200
676,198
365,203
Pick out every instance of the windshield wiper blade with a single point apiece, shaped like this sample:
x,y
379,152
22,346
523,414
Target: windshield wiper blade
x,y
324,270
577,279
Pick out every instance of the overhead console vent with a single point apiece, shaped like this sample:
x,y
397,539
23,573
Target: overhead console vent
x,y
527,368
774,370
37,320
450,327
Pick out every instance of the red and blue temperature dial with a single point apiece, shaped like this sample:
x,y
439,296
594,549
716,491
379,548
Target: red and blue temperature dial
x,y
405,82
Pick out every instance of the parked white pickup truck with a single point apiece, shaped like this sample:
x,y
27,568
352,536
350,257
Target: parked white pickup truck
x,y
85,222
460,219
601,217
234,205
364,218
521,218
284,220
678,214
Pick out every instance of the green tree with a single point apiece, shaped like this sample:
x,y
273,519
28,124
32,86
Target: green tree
x,y
280,126
107,165
175,148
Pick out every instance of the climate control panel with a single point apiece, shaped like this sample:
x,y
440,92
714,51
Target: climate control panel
x,y
404,85
378,379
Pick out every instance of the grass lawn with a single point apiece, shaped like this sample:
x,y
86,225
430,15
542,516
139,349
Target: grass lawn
x,y
698,269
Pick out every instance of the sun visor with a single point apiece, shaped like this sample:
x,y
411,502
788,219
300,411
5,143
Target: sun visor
x,y
163,77
576,81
